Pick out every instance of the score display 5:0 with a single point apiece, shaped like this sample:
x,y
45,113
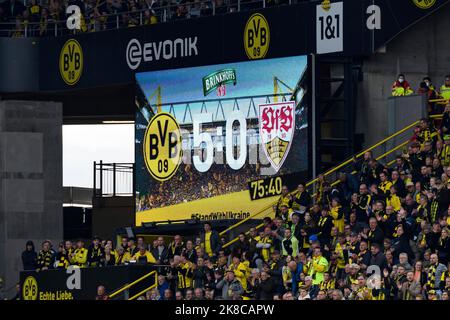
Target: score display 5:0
x,y
200,138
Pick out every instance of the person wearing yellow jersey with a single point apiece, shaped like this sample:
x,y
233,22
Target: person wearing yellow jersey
x,y
318,268
80,255
328,283
445,89
143,256
341,255
240,271
182,270
61,259
393,200
385,185
211,241
284,199
337,213
361,292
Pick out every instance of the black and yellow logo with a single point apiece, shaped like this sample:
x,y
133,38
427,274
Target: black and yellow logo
x,y
256,37
71,62
30,289
162,146
424,4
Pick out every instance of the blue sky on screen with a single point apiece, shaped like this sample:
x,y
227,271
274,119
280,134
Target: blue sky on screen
x,y
254,78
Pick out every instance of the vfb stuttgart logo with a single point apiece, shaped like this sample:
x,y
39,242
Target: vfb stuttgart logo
x,y
276,129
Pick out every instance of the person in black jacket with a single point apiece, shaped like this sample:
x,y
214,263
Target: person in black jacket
x,y
200,276
29,257
242,245
374,234
324,227
401,244
377,257
301,201
95,253
160,251
265,289
211,240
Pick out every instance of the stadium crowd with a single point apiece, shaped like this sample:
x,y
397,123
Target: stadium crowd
x,y
189,185
41,17
380,234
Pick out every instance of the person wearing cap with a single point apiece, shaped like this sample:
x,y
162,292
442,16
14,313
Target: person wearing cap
x,y
95,253
230,286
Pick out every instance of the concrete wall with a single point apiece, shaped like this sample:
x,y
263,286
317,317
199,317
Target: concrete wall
x,y
422,50
30,180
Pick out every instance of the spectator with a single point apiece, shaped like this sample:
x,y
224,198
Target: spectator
x,y
80,255
445,89
45,257
160,252
163,285
143,256
95,253
211,240
231,287
29,257
101,293
401,87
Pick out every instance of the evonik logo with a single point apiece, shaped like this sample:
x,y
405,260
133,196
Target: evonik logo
x,y
154,51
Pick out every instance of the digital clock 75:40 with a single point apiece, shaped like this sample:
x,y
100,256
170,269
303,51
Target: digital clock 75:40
x,y
265,188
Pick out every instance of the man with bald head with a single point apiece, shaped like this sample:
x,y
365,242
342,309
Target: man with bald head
x,y
434,275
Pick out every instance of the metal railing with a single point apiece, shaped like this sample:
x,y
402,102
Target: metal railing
x,y
126,288
113,179
384,155
117,20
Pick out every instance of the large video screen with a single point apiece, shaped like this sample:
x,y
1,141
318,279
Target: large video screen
x,y
220,141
